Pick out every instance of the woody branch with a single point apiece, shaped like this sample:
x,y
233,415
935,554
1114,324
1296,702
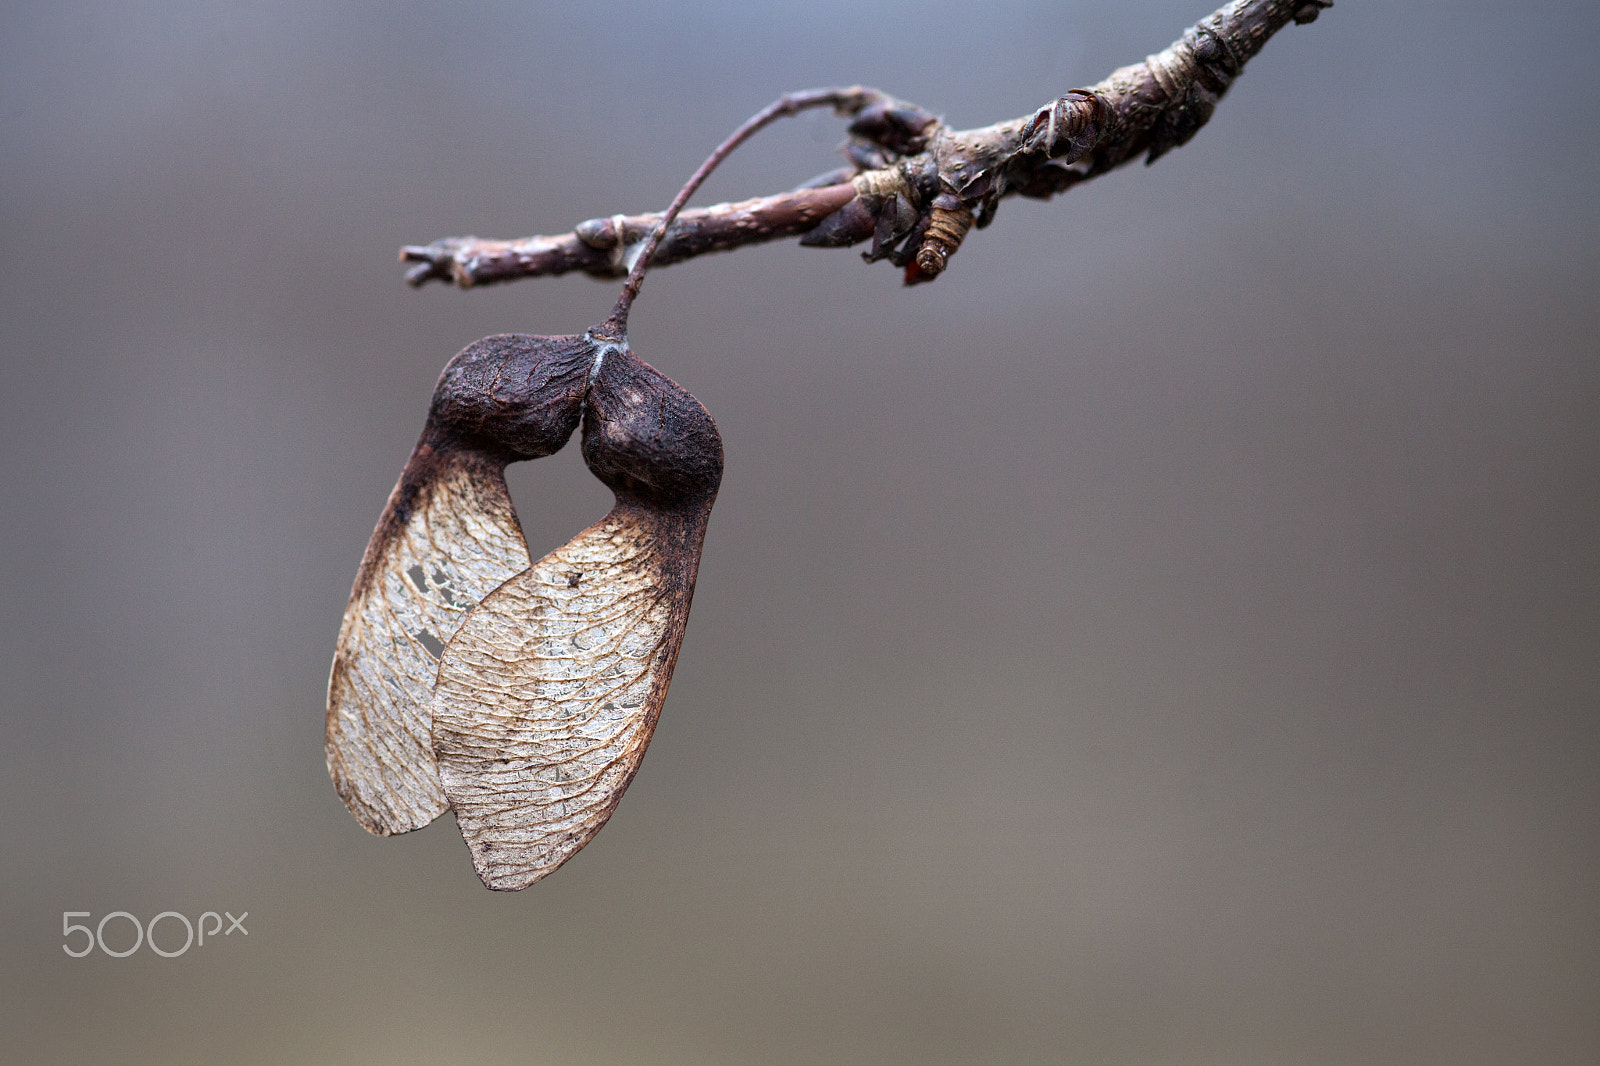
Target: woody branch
x,y
914,187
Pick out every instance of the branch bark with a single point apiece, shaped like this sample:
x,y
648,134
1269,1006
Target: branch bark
x,y
913,186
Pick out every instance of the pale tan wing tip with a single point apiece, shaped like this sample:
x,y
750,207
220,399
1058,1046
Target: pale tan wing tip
x,y
514,832
394,810
509,856
510,878
385,799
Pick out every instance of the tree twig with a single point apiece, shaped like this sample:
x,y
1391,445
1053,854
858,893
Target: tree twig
x,y
915,187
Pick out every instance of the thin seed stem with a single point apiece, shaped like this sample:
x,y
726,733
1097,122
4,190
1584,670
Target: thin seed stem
x,y
845,100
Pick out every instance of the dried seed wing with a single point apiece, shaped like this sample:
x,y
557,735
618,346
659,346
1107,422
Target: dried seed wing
x,y
550,690
447,538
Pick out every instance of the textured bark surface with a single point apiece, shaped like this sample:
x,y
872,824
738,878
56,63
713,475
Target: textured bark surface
x,y
550,690
907,167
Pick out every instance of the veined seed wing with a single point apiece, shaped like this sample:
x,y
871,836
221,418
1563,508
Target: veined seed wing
x,y
550,690
447,538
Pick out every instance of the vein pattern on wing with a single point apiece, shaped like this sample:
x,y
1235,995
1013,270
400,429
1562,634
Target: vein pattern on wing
x,y
549,693
447,538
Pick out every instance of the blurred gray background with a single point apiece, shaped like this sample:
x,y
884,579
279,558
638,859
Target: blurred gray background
x,y
1173,637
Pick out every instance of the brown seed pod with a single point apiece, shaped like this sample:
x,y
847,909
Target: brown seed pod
x,y
538,686
447,537
550,689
